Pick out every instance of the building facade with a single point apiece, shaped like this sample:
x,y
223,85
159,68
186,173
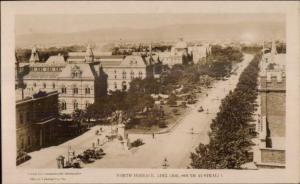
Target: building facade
x,y
270,150
36,119
121,72
83,77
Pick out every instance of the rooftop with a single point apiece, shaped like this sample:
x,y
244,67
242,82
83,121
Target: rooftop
x,y
34,96
41,75
85,69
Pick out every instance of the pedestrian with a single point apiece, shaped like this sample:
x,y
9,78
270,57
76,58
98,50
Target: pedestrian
x,y
153,135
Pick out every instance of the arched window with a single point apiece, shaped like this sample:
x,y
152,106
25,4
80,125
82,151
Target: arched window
x,y
116,86
34,84
53,85
44,85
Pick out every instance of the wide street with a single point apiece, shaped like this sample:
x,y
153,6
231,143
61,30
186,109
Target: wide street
x,y
175,145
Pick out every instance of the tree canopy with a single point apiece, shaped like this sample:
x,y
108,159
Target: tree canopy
x,y
230,138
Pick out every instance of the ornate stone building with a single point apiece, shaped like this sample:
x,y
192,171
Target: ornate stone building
x,y
83,77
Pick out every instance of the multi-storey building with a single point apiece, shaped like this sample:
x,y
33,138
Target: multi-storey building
x,y
270,149
199,52
121,72
179,55
83,77
36,118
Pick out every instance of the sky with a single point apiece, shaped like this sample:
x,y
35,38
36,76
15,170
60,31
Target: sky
x,y
26,24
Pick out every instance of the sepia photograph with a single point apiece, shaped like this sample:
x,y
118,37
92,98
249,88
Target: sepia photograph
x,y
163,91
121,95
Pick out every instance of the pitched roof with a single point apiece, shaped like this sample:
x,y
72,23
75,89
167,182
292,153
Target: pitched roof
x,y
110,63
56,60
133,61
41,75
85,68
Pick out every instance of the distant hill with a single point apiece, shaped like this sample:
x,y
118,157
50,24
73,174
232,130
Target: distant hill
x,y
169,32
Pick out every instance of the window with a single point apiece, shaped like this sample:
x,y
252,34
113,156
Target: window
x,y
87,91
75,105
140,74
44,85
124,86
75,91
87,104
131,74
64,90
76,74
116,86
115,71
124,75
63,105
115,76
34,84
21,118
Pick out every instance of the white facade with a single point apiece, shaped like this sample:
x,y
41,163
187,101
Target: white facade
x,y
75,83
121,73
